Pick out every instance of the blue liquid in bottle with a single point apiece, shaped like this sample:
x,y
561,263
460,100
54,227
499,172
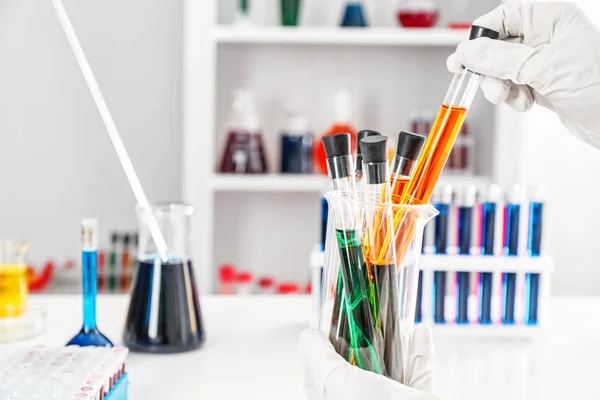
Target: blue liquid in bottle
x,y
89,334
354,15
164,311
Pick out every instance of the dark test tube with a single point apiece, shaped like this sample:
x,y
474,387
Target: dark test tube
x,y
324,216
511,248
534,246
439,247
465,221
360,136
488,229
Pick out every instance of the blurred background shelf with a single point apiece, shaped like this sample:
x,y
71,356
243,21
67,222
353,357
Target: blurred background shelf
x,y
306,183
392,36
268,183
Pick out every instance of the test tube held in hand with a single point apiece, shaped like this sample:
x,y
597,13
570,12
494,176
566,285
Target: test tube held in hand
x,y
445,129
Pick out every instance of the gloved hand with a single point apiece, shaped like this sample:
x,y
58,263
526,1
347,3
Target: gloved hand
x,y
329,377
549,54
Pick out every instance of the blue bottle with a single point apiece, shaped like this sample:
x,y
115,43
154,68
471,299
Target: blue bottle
x,y
354,15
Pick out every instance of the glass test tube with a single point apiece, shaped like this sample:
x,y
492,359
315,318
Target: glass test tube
x,y
445,129
380,251
512,213
362,348
534,247
489,208
440,246
466,202
407,153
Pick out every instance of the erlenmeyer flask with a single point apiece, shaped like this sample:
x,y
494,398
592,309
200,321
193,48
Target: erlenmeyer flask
x,y
164,312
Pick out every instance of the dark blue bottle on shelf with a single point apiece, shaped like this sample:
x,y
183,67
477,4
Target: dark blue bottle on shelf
x,y
354,15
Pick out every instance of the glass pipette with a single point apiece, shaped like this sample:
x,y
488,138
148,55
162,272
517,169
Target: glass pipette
x,y
111,128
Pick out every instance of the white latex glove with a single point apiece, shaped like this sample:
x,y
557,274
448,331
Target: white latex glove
x,y
329,377
549,53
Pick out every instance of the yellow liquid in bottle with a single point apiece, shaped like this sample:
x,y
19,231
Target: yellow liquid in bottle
x,y
13,290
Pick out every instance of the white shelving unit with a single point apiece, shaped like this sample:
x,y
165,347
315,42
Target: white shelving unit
x,y
339,37
269,224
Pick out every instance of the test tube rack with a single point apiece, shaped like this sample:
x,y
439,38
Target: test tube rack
x,y
497,266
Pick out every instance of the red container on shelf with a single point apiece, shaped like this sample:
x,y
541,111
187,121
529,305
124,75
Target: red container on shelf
x,y
245,284
266,285
227,279
418,13
288,288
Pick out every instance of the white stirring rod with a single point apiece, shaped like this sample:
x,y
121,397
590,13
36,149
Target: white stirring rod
x,y
111,128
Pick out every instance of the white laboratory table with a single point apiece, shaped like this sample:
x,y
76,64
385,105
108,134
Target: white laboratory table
x,y
251,353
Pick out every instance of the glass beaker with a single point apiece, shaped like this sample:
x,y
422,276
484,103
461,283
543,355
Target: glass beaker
x,y
164,312
390,289
13,279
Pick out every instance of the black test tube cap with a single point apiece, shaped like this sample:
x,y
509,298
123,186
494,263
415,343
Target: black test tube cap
x,y
479,32
363,134
409,145
374,149
114,238
337,145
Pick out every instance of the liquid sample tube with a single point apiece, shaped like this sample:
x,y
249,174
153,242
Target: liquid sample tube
x,y
445,129
407,153
512,211
359,167
534,247
112,272
125,265
380,251
466,202
488,229
440,246
363,348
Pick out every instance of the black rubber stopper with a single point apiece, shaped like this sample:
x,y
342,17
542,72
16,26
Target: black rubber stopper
x,y
363,134
374,149
337,145
114,238
479,31
409,145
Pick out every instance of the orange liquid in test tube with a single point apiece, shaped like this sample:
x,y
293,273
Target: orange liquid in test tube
x,y
437,148
419,188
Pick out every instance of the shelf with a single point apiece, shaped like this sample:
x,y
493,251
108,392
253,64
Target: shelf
x,y
269,183
306,183
339,36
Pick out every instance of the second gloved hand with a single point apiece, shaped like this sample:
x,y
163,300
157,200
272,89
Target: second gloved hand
x,y
549,53
329,377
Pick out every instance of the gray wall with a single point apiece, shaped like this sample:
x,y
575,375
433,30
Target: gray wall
x,y
57,164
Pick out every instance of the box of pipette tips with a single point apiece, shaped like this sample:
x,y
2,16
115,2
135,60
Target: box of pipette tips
x,y
72,372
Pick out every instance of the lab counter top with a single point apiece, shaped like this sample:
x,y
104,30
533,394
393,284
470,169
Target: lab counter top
x,y
251,352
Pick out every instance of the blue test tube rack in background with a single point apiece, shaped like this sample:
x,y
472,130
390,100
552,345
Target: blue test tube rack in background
x,y
497,257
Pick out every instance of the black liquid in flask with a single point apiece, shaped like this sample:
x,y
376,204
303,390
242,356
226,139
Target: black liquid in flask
x,y
164,311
